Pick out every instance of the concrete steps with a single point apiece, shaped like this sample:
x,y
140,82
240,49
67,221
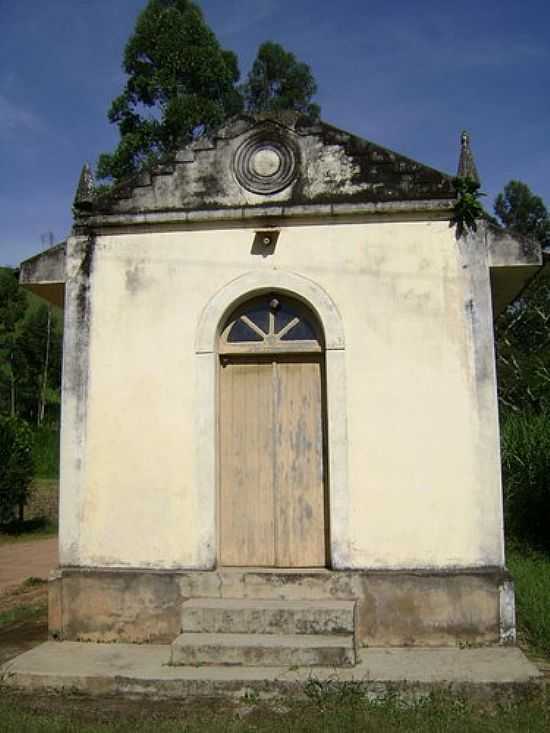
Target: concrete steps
x,y
266,633
243,616
263,650
500,674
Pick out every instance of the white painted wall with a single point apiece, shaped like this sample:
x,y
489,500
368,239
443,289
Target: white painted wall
x,y
423,475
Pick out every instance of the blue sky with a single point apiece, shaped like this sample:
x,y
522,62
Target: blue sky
x,y
408,74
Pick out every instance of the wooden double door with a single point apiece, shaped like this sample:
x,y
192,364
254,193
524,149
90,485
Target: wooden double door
x,y
272,461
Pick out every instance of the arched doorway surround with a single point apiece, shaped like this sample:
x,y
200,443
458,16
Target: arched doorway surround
x,y
271,421
211,323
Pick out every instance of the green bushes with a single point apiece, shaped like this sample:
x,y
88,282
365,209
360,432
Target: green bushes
x,y
16,466
531,572
525,441
46,452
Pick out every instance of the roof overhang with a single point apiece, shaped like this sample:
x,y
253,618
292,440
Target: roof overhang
x,y
44,275
513,260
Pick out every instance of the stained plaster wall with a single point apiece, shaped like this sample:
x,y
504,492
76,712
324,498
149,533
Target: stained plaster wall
x,y
423,475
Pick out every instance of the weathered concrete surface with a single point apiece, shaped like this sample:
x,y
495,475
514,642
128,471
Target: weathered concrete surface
x,y
264,650
132,669
427,499
245,616
44,274
75,391
393,608
513,261
506,248
46,267
314,164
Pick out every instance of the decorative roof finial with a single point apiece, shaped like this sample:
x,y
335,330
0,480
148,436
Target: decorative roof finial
x,y
85,192
466,164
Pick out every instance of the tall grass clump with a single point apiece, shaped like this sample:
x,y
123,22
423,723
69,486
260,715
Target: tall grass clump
x,y
46,452
531,573
525,442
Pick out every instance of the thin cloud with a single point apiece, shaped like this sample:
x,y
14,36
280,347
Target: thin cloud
x,y
15,118
459,53
247,13
430,41
440,40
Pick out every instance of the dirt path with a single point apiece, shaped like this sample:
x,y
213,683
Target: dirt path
x,y
22,560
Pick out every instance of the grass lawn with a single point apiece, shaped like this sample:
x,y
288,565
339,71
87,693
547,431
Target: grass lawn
x,y
350,713
531,573
27,602
19,614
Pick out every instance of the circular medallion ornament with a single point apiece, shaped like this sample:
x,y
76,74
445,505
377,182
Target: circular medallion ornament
x,y
265,165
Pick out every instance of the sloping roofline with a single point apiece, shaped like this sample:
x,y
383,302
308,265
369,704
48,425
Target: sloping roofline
x,y
331,171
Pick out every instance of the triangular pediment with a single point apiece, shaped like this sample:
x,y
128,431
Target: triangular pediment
x,y
254,162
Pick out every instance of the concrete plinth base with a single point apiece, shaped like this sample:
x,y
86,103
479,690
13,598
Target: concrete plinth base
x,y
100,669
393,608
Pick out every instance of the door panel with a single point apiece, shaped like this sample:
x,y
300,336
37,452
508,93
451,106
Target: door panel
x,y
299,495
246,466
272,501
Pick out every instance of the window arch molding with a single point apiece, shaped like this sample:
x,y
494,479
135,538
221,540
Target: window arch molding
x,y
218,309
205,443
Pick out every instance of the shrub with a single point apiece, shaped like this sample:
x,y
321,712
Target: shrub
x,y
531,571
525,441
46,452
16,466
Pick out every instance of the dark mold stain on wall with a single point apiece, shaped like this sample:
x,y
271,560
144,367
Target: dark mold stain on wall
x,y
136,278
85,278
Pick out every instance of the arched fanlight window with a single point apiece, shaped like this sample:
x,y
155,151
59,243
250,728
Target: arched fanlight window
x,y
272,322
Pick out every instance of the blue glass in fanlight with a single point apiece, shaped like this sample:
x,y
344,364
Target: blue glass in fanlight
x,y
259,314
302,331
283,316
241,332
283,311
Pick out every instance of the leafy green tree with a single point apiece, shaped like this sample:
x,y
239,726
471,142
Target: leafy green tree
x,y
13,306
279,82
40,348
519,208
16,467
523,330
180,83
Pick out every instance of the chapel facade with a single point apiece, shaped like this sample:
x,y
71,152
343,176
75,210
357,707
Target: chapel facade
x,y
279,396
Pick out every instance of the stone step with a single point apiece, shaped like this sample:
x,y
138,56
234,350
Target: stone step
x,y
263,650
272,583
242,616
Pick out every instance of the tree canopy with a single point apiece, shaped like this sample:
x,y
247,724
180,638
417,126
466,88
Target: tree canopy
x,y
180,83
523,331
519,208
16,466
13,306
278,81
30,354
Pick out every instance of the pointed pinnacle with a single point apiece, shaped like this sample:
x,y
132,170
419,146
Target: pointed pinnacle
x,y
466,163
85,192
